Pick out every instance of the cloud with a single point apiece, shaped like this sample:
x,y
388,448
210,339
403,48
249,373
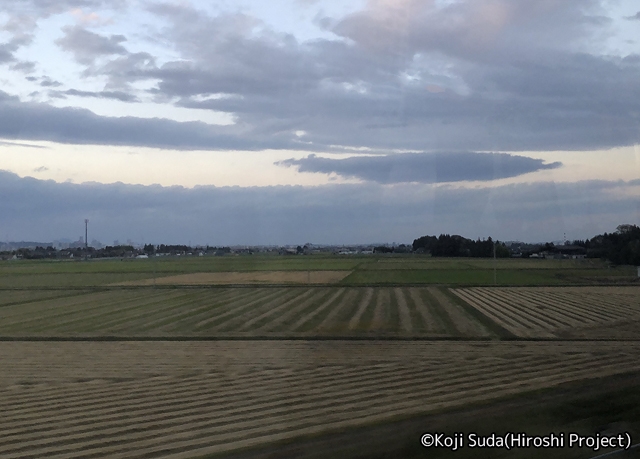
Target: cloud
x,y
36,121
492,75
423,167
20,27
105,56
44,210
477,31
635,17
86,18
126,69
41,169
6,52
47,83
87,46
23,17
115,95
45,8
24,66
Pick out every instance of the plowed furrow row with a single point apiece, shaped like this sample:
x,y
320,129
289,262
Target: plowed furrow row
x,y
530,319
536,316
518,327
289,420
571,314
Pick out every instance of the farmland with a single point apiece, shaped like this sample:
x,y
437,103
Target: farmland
x,y
245,312
428,312
168,399
191,357
560,312
357,270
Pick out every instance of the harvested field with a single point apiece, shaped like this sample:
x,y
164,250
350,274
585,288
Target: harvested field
x,y
180,400
560,312
245,312
251,277
425,312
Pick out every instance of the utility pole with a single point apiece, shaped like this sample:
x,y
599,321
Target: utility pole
x,y
86,238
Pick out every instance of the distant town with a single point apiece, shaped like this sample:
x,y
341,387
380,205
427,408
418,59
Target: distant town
x,y
130,249
620,247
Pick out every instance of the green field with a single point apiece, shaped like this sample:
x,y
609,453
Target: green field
x,y
362,270
185,264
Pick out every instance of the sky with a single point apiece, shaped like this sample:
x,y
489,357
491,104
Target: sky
x,y
294,121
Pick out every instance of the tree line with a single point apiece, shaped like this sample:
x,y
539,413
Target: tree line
x,y
621,247
447,245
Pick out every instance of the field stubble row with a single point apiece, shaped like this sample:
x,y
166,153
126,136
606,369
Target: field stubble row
x,y
131,399
560,312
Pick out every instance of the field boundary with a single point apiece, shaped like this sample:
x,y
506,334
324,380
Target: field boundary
x,y
94,288
116,338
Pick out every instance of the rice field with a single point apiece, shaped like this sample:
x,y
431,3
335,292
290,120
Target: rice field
x,y
246,312
317,356
560,312
332,312
360,270
186,399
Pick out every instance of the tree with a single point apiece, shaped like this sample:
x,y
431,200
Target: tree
x,y
625,228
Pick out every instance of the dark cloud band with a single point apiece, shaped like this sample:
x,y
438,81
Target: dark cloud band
x,y
44,210
423,167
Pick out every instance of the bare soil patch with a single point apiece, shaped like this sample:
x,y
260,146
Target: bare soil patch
x,y
252,277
